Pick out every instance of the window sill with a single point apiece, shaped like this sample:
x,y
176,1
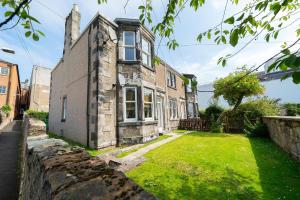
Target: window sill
x,y
129,62
174,88
148,67
137,123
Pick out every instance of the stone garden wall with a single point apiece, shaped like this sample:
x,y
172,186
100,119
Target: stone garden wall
x,y
51,169
285,132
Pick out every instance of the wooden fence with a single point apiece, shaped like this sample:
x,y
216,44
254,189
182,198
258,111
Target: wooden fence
x,y
199,124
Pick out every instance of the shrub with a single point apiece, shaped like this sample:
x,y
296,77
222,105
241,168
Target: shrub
x,y
213,111
201,114
255,109
216,127
256,129
43,116
6,109
292,109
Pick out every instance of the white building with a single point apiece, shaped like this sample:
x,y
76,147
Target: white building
x,y
40,89
286,90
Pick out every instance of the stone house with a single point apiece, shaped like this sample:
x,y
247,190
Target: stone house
x,y
40,88
106,90
10,88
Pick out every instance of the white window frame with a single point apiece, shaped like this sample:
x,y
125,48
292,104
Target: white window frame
x,y
125,107
148,62
172,103
171,79
3,87
6,68
64,109
151,103
129,46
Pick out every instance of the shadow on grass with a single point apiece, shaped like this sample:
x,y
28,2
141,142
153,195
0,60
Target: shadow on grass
x,y
279,174
207,134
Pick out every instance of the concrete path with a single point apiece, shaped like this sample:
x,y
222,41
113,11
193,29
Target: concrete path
x,y
9,155
136,158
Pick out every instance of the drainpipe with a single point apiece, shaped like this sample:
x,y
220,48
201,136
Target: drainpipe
x,y
88,91
117,95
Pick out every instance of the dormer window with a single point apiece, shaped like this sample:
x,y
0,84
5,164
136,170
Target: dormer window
x,y
129,45
146,52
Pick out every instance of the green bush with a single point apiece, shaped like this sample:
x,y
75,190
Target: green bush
x,y
6,109
43,116
213,111
201,114
292,109
256,129
216,127
255,109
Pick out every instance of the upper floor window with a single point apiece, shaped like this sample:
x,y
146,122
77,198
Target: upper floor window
x,y
148,104
189,86
146,51
171,79
130,104
2,89
4,70
129,45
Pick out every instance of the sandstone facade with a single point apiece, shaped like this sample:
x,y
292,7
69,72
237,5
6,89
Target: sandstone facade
x,y
285,132
107,90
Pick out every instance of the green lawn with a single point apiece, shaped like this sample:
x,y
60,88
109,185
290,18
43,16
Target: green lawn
x,y
219,166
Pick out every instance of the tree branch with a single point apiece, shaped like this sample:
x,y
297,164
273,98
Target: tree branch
x,y
16,12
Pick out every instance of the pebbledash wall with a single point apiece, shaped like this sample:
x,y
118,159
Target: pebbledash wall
x,y
51,169
285,132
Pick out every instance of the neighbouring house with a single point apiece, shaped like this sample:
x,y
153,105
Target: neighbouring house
x,y
107,90
275,88
10,89
40,88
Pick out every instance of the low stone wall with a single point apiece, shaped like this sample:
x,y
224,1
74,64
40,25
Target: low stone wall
x,y
285,132
51,169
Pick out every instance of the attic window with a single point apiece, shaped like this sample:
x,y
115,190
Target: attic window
x,y
129,45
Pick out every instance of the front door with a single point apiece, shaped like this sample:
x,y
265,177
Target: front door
x,y
160,114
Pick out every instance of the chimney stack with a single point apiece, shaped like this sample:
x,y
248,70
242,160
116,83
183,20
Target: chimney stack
x,y
72,27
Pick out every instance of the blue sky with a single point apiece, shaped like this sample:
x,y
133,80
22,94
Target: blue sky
x,y
188,58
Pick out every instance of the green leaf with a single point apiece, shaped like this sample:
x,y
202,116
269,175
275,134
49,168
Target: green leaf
x,y
240,17
286,52
230,20
28,33
296,77
290,60
8,13
41,33
285,77
35,37
209,35
234,37
199,38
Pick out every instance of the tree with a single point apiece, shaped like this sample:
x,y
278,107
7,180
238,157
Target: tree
x,y
235,93
259,18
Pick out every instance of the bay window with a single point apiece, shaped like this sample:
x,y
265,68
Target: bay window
x,y
148,104
130,104
129,45
146,52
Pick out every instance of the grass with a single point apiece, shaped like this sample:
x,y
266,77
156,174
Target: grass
x,y
92,152
219,166
123,154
